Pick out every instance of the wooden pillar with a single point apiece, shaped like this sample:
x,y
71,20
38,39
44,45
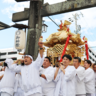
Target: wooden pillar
x,y
35,27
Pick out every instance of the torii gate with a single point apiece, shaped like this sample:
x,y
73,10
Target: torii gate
x,y
38,10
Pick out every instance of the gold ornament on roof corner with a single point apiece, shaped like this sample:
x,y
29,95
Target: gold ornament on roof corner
x,y
85,39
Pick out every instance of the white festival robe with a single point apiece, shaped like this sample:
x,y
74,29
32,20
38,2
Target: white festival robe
x,y
48,85
18,89
66,82
79,79
8,80
95,83
1,73
30,76
90,81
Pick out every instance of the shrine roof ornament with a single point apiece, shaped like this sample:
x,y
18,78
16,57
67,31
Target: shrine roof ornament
x,y
61,36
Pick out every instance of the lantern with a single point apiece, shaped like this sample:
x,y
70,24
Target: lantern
x,y
20,40
44,28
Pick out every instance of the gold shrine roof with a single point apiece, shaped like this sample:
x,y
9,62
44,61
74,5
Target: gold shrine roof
x,y
61,36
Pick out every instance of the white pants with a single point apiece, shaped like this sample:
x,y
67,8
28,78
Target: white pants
x,y
81,95
5,94
89,94
49,92
19,92
37,94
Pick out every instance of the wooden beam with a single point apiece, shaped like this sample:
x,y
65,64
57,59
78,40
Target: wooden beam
x,y
67,6
20,16
58,8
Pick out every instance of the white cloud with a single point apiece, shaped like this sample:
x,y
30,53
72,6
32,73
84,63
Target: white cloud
x,y
9,1
11,23
89,18
17,7
86,31
46,19
92,43
53,1
57,21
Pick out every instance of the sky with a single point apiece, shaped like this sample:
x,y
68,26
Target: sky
x,y
87,22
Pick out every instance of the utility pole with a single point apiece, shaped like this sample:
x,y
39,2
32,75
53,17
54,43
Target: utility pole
x,y
76,18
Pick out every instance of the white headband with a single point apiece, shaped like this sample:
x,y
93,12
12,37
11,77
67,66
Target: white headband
x,y
29,56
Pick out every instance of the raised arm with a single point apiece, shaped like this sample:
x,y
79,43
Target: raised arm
x,y
41,48
39,61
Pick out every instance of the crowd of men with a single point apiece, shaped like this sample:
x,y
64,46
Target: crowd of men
x,y
39,78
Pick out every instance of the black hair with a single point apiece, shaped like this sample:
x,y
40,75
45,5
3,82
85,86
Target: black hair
x,y
42,66
48,58
79,59
5,64
94,64
22,64
67,56
89,62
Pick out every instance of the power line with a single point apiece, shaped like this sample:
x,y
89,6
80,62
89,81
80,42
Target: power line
x,y
75,18
53,21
